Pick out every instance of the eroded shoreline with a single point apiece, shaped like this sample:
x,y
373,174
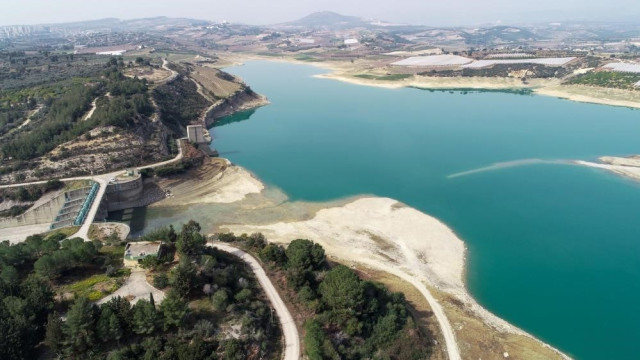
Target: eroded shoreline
x,y
346,72
378,233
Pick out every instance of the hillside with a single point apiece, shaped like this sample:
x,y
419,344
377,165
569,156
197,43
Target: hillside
x,y
328,19
97,114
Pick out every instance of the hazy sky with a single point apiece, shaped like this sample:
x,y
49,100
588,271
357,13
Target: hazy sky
x,y
427,12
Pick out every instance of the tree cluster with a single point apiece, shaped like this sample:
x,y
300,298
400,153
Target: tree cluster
x,y
179,103
90,329
63,120
72,253
354,319
221,285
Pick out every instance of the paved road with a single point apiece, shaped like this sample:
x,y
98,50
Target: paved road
x,y
291,337
20,233
138,287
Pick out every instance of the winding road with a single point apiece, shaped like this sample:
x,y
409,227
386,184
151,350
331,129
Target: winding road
x,y
289,330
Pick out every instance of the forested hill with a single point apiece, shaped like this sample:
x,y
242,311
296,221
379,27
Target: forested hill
x,y
71,115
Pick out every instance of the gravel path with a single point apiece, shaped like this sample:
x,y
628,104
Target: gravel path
x,y
137,287
291,337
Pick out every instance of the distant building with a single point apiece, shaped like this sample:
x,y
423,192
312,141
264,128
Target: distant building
x,y
351,41
134,252
195,133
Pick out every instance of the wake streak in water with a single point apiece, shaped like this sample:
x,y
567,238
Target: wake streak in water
x,y
508,164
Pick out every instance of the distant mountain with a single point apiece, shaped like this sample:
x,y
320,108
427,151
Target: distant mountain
x,y
497,35
109,24
328,19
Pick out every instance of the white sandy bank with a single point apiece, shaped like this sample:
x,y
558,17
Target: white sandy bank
x,y
383,231
627,167
219,182
233,184
384,234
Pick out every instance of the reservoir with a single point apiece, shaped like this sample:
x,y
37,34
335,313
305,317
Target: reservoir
x,y
553,248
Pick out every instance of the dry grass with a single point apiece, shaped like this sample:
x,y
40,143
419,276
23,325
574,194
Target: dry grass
x,y
418,306
67,231
477,340
210,80
149,73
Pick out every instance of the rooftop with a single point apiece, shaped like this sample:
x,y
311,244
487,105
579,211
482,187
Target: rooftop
x,y
434,60
624,67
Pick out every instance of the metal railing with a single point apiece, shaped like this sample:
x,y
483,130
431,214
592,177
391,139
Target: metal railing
x,y
86,206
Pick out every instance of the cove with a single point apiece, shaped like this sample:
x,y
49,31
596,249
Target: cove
x,y
552,248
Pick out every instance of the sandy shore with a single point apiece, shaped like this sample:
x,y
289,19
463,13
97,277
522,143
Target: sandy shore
x,y
216,181
384,234
578,93
345,71
589,94
430,82
625,166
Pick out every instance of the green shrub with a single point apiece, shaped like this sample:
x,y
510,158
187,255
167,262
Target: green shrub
x,y
161,280
220,299
150,262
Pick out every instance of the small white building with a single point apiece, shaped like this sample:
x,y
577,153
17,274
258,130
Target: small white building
x,y
351,41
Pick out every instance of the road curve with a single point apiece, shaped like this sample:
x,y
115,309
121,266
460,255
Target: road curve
x,y
174,74
289,330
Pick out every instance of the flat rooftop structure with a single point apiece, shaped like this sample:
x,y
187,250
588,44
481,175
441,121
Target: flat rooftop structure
x,y
624,67
195,133
540,61
140,250
434,60
637,84
509,56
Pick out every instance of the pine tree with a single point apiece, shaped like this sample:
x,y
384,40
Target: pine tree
x,y
174,309
115,328
183,277
54,337
191,243
80,327
102,328
145,318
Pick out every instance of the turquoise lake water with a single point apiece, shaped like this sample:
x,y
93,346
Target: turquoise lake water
x,y
553,248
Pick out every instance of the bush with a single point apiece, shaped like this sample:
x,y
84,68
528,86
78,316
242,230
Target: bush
x,y
226,237
150,262
243,295
220,299
161,281
274,253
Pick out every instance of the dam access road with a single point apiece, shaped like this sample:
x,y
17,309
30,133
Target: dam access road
x,y
103,181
